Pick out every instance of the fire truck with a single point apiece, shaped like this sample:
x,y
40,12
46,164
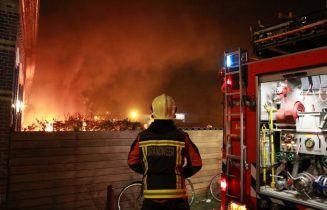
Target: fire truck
x,y
275,119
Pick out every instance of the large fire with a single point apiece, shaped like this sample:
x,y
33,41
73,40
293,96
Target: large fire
x,y
114,56
78,122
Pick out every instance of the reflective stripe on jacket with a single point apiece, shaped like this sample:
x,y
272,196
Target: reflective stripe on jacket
x,y
159,153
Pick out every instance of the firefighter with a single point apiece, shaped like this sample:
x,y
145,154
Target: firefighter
x,y
159,154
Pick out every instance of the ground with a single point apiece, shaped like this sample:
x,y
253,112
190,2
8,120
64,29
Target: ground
x,y
205,203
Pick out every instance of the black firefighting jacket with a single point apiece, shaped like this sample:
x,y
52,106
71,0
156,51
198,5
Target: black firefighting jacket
x,y
159,153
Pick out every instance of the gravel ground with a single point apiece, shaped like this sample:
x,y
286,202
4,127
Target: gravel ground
x,y
204,203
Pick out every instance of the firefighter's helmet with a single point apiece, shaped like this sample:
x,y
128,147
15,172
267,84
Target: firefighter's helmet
x,y
163,107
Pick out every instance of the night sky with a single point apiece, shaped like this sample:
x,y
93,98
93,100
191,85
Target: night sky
x,y
114,56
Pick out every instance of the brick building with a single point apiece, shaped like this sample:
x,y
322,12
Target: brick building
x,y
18,29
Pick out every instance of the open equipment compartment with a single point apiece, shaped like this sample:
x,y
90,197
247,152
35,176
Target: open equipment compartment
x,y
292,128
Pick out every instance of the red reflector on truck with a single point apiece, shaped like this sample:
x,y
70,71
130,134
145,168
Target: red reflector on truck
x,y
223,184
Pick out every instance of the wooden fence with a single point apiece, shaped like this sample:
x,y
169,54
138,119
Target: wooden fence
x,y
71,170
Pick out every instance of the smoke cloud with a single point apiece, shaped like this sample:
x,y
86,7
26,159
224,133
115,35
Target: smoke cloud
x,y
114,56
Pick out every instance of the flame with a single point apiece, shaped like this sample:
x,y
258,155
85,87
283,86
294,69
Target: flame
x,y
19,106
84,124
134,115
48,127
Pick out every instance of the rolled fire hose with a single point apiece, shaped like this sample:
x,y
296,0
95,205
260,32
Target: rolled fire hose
x,y
289,114
263,130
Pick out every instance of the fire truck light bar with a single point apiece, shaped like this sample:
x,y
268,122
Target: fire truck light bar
x,y
231,60
228,61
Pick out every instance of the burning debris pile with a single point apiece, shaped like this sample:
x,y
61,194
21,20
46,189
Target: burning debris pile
x,y
78,122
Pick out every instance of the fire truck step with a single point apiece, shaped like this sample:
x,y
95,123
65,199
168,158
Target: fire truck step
x,y
231,73
232,196
232,176
234,135
233,114
233,93
233,156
